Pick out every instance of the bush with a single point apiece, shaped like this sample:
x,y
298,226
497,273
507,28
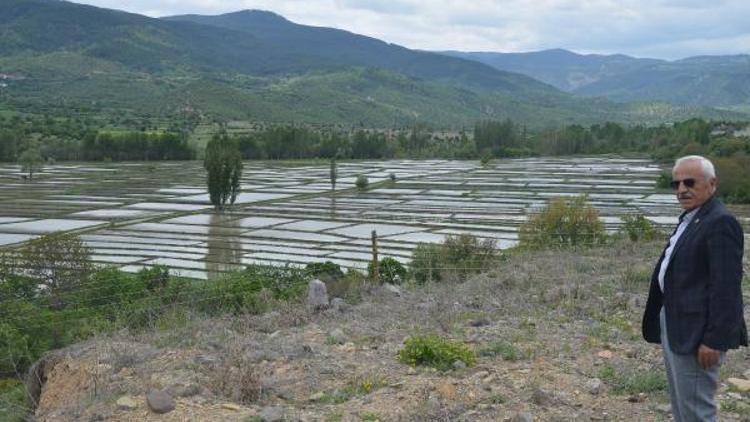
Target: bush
x,y
390,271
362,182
665,178
425,263
325,271
60,263
563,222
454,259
242,291
733,174
436,352
465,254
637,227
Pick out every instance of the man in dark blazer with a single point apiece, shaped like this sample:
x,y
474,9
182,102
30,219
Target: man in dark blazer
x,y
694,306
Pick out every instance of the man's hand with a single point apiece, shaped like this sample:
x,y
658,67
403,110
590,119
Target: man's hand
x,y
708,357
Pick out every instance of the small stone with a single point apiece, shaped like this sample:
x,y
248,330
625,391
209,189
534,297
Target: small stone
x,y
542,397
594,386
160,401
390,288
317,295
411,371
664,408
458,364
339,305
271,414
317,396
231,406
739,384
637,398
605,354
126,403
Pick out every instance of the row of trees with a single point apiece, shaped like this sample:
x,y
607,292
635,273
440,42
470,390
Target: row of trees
x,y
63,139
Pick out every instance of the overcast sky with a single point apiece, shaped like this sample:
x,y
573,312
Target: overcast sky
x,y
668,29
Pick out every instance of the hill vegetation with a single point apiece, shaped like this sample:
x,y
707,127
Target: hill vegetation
x,y
64,59
711,81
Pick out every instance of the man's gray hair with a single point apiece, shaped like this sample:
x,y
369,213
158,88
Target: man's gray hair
x,y
706,164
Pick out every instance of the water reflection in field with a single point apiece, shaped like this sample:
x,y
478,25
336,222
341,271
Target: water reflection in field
x,y
142,214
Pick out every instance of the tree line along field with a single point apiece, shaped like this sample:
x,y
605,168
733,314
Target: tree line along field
x,y
76,138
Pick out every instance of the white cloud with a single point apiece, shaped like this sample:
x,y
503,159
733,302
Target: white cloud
x,y
654,28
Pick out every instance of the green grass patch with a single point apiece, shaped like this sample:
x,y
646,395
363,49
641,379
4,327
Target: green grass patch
x,y
507,351
633,381
436,352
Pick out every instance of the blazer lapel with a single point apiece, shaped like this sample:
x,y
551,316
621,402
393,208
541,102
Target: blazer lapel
x,y
692,227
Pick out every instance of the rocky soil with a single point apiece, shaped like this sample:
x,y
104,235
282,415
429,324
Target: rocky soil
x,y
557,334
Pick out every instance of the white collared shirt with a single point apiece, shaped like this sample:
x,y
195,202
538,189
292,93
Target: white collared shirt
x,y
684,223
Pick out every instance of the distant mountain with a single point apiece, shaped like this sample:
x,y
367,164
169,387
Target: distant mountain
x,y
62,57
713,81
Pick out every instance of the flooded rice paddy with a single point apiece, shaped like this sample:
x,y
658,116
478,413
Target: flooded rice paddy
x,y
134,215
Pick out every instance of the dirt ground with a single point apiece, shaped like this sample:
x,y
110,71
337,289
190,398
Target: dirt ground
x,y
557,337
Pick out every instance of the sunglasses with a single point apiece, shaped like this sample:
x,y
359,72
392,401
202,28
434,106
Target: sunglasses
x,y
689,183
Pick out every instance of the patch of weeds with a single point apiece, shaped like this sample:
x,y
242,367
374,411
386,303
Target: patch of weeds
x,y
334,397
334,417
436,352
364,385
635,279
736,406
497,399
13,406
633,381
372,417
507,351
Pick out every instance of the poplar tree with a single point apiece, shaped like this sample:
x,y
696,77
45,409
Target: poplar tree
x,y
223,163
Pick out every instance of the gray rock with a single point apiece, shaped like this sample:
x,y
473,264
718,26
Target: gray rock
x,y
160,401
594,386
126,403
390,288
523,417
458,364
271,414
317,295
664,408
542,397
339,305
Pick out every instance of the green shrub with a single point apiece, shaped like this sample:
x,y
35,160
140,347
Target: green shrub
x,y
454,259
637,227
733,174
325,271
425,263
390,271
362,182
436,352
563,222
665,178
13,405
505,350
633,381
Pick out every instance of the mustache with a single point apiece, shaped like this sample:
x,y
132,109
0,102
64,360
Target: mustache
x,y
684,196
